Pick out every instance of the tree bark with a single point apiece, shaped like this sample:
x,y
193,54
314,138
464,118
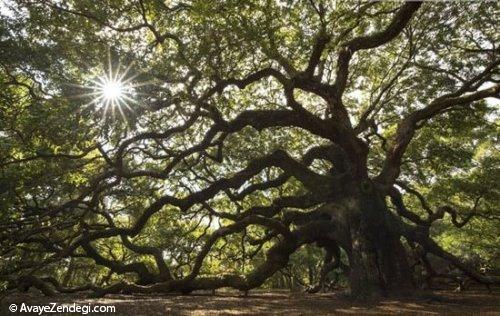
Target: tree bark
x,y
377,258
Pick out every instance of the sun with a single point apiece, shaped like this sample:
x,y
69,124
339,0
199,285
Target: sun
x,y
112,90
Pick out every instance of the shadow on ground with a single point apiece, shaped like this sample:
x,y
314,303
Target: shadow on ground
x,y
261,303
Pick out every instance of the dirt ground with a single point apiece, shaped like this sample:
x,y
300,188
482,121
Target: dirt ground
x,y
473,302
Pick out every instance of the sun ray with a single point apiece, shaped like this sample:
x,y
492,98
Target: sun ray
x,y
114,91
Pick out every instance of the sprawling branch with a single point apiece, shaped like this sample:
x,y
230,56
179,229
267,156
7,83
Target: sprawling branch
x,y
398,23
406,129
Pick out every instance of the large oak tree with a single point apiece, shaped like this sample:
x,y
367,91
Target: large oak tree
x,y
243,130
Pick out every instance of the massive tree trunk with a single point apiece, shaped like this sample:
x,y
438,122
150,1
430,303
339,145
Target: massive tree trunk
x,y
377,258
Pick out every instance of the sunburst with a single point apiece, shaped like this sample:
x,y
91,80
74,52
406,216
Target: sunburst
x,y
112,90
